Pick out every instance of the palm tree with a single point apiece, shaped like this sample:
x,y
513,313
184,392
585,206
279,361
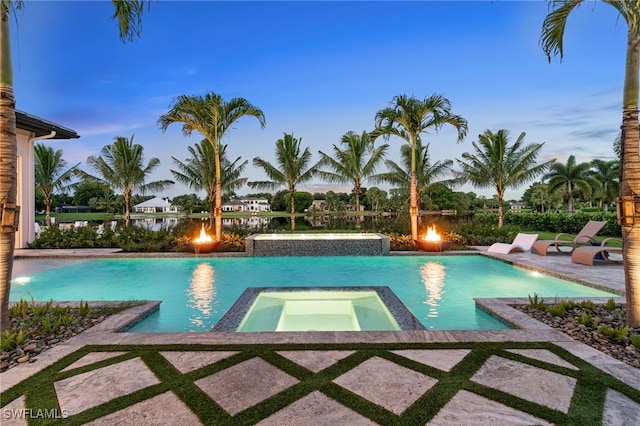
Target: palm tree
x,y
426,173
198,172
497,164
569,179
121,166
408,118
212,117
552,43
540,196
129,16
50,174
292,168
354,163
607,174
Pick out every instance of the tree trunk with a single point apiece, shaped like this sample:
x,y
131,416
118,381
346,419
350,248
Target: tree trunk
x,y
357,191
47,219
630,177
413,207
127,208
292,205
569,198
218,208
212,215
629,187
500,212
8,166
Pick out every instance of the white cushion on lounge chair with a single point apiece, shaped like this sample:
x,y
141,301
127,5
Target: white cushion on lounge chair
x,y
521,243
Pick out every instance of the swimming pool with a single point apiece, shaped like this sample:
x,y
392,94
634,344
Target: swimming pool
x,y
196,292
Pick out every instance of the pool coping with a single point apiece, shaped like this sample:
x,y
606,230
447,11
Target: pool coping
x,y
528,329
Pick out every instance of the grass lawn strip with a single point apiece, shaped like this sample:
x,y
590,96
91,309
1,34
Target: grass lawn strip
x,y
586,406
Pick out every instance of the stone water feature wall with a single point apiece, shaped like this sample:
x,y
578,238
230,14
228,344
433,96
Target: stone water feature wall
x,y
365,244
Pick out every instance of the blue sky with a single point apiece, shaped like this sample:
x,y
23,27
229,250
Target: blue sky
x,y
318,70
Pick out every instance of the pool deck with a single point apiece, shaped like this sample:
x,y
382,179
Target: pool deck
x,y
537,365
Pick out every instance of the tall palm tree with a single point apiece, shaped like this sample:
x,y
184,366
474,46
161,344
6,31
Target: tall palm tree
x,y
121,166
198,172
128,13
607,174
408,118
426,172
212,117
51,174
540,196
569,179
291,169
497,164
552,43
354,163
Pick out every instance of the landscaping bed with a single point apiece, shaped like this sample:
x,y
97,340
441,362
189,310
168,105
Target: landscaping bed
x,y
591,326
37,327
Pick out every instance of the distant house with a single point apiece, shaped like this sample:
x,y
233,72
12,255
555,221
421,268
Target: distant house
x,y
156,205
73,209
247,204
233,206
319,205
517,206
30,129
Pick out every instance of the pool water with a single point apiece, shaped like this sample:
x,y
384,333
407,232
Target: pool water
x,y
196,292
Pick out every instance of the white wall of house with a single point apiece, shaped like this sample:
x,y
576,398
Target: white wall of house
x,y
26,188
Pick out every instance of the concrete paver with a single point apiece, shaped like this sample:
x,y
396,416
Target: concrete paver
x,y
386,384
527,382
246,384
467,408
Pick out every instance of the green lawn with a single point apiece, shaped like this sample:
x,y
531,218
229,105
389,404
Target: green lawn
x,y
586,407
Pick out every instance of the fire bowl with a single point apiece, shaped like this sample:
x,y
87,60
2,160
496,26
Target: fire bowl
x,y
432,246
202,248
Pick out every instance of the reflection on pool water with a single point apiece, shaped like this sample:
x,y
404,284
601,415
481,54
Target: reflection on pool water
x,y
196,292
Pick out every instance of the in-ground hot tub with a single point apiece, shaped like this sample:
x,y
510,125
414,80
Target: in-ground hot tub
x,y
320,244
278,309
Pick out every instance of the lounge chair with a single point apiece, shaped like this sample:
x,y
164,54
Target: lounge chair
x,y
521,243
587,255
567,243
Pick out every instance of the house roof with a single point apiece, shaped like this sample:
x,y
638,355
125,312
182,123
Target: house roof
x,y
154,202
42,127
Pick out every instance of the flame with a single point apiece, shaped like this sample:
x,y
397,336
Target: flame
x,y
432,235
203,238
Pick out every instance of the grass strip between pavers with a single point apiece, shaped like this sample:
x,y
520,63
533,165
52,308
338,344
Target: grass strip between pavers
x,y
586,407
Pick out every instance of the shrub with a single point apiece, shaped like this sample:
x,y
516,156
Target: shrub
x,y
635,340
11,340
562,222
610,305
477,233
537,303
617,333
401,242
587,320
232,242
587,304
20,309
567,304
557,310
84,309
